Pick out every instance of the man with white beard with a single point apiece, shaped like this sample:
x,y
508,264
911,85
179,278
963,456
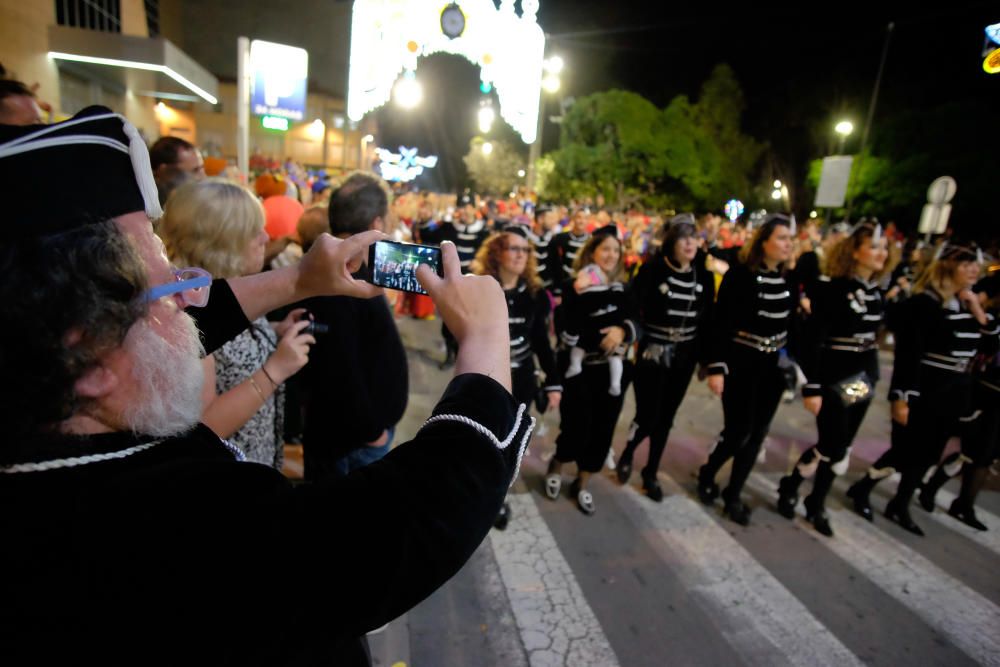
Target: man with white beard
x,y
133,534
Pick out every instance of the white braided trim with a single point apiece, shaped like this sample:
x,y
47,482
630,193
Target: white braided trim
x,y
75,461
462,419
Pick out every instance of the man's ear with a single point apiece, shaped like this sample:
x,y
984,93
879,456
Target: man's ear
x,y
97,382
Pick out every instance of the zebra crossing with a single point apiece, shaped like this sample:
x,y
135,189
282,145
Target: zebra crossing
x,y
739,608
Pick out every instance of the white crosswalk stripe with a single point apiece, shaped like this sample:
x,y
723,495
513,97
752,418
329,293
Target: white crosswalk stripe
x,y
556,624
762,619
943,602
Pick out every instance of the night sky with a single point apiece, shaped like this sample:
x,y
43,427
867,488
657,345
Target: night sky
x,y
800,70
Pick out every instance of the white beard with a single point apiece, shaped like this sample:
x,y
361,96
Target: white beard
x,y
169,379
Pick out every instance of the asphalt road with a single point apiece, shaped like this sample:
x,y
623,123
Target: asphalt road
x,y
675,583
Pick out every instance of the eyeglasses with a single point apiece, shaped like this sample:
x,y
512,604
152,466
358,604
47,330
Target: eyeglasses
x,y
192,284
518,249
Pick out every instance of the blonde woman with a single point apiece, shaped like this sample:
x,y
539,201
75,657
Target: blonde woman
x,y
219,226
941,327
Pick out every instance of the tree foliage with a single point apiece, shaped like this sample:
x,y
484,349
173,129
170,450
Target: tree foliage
x,y
686,156
495,173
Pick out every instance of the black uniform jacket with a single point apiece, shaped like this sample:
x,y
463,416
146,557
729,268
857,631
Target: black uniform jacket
x,y
753,308
674,307
838,339
528,317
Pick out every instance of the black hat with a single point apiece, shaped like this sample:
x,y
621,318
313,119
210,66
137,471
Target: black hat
x,y
92,167
610,229
960,252
513,228
682,219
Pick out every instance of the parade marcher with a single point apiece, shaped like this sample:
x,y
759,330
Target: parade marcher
x,y
588,413
838,352
752,317
564,249
941,328
120,510
546,224
979,432
467,233
673,298
509,257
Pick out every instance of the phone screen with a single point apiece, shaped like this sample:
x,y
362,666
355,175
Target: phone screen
x,y
394,265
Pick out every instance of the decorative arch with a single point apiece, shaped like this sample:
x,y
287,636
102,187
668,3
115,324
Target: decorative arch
x,y
388,37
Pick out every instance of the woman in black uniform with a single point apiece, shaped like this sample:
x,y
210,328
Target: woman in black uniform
x,y
941,328
673,298
752,316
588,412
510,258
980,430
839,355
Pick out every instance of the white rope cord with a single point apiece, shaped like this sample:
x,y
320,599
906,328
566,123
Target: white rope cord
x,y
75,461
462,419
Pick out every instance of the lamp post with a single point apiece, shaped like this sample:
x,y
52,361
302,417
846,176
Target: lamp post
x,y
844,129
363,162
551,83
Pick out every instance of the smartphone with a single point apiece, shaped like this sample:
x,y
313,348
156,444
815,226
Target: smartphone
x,y
394,265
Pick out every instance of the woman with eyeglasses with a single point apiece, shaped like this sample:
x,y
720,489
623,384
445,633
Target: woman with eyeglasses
x,y
752,317
219,226
941,328
838,353
674,299
510,258
589,411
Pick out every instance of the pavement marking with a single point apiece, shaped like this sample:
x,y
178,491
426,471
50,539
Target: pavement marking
x,y
989,539
965,617
556,624
754,612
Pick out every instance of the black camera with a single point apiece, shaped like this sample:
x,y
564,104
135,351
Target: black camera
x,y
316,328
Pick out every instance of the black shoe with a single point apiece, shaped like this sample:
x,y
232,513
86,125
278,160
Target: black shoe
x,y
819,519
786,501
862,506
901,515
624,468
708,490
738,512
966,515
500,523
926,499
652,488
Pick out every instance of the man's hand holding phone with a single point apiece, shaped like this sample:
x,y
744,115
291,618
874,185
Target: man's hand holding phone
x,y
474,309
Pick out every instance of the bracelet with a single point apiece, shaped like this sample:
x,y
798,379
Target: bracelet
x,y
268,375
256,387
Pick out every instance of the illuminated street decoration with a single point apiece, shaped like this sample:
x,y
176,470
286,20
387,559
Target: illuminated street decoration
x,y
734,209
274,123
405,165
992,63
993,32
278,75
388,37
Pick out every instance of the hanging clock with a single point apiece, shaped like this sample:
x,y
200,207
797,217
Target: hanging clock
x,y
452,21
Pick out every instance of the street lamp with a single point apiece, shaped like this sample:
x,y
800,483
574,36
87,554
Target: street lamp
x,y
408,93
552,66
486,118
363,160
843,128
487,148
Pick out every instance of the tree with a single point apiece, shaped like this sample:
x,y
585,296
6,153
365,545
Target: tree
x,y
686,156
494,173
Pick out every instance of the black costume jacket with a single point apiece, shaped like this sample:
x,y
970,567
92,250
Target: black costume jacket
x,y
839,337
125,549
674,307
594,309
936,342
563,250
544,257
528,317
467,239
752,316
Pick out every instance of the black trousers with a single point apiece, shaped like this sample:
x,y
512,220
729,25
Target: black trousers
x,y
751,396
933,419
588,415
524,383
658,394
836,425
981,435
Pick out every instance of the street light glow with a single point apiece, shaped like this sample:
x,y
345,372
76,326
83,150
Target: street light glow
x,y
520,173
776,194
844,128
486,118
777,185
487,148
408,92
551,83
553,65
